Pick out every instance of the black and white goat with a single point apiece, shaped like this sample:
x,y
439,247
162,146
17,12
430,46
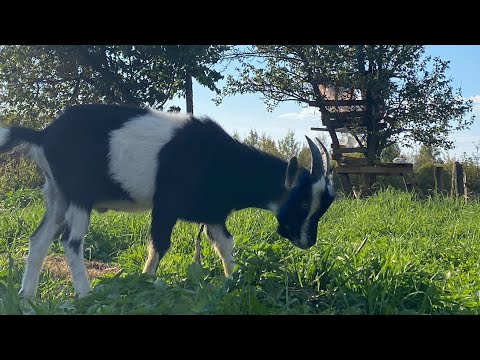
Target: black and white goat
x,y
126,158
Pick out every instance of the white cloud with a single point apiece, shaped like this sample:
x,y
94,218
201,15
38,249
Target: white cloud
x,y
476,99
476,104
309,113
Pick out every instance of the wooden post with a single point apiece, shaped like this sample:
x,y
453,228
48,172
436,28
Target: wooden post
x,y
438,173
345,183
367,184
458,180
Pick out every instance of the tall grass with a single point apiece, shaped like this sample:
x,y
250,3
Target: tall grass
x,y
388,254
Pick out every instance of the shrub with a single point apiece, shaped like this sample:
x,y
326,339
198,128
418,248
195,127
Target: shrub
x,y
18,171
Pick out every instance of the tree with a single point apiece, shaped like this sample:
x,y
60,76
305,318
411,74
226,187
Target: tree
x,y
36,81
288,146
427,155
262,142
284,148
389,153
407,96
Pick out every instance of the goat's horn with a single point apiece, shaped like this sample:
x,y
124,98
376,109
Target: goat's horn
x,y
316,166
327,157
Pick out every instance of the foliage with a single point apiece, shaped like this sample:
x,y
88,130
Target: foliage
x,y
427,155
471,168
390,153
18,171
412,99
37,81
283,148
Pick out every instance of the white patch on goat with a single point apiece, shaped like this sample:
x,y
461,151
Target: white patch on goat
x,y
37,153
330,189
317,189
4,135
77,220
273,207
134,149
223,245
51,190
152,262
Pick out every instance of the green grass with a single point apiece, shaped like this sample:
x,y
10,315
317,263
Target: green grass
x,y
388,254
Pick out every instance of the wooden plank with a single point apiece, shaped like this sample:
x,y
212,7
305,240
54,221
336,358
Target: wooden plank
x,y
313,103
344,102
384,169
349,161
347,115
338,122
350,150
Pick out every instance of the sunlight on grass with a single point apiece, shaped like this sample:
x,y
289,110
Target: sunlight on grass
x,y
388,254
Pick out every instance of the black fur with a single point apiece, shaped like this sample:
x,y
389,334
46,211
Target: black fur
x,y
74,244
204,174
19,135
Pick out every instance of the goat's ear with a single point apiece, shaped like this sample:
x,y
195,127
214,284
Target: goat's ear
x,y
292,172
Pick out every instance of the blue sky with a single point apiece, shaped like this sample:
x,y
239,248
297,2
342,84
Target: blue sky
x,y
241,113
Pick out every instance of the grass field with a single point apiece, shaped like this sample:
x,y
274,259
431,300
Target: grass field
x,y
388,254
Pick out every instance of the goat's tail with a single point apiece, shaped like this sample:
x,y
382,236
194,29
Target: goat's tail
x,y
16,135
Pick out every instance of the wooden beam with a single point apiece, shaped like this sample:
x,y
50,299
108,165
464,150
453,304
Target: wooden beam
x,y
346,115
340,121
384,169
338,103
350,161
350,150
344,102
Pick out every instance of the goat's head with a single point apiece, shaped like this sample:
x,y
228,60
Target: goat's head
x,y
309,194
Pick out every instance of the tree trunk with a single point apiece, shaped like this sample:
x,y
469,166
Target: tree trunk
x,y
189,93
344,178
371,125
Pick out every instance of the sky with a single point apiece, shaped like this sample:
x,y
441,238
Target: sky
x,y
244,112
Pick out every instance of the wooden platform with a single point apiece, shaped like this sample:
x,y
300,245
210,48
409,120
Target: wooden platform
x,y
383,170
345,150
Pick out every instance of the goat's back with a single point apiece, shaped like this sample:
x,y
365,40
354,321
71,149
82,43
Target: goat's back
x,y
107,152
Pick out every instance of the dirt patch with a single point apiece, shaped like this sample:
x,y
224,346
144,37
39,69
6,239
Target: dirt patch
x,y
58,268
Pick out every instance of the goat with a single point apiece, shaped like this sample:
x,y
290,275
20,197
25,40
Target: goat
x,y
125,158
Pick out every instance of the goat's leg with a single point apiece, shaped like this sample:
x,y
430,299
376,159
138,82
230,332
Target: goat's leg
x,y
40,242
37,251
76,225
222,242
153,259
160,231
